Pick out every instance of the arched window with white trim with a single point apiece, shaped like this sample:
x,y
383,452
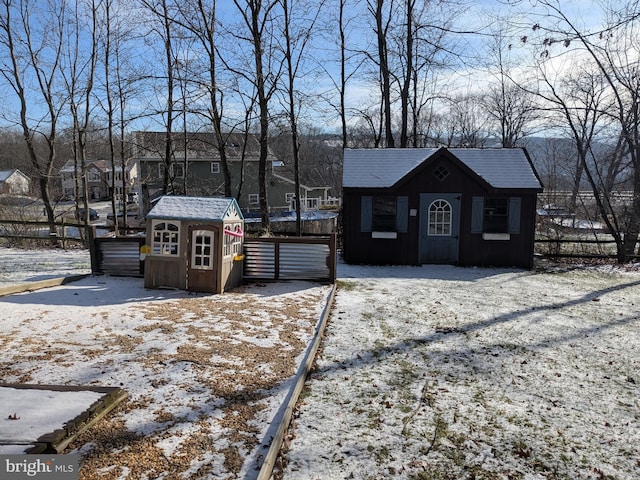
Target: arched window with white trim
x,y
166,236
439,218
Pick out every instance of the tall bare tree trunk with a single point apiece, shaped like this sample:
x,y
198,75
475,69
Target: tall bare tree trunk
x,y
381,30
25,53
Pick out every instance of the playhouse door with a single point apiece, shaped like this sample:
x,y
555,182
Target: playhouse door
x,y
439,227
202,266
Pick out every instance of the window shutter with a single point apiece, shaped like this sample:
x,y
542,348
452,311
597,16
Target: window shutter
x,y
402,214
477,214
366,214
514,214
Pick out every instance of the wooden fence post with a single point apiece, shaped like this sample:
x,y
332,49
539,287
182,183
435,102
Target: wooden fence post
x,y
333,257
93,250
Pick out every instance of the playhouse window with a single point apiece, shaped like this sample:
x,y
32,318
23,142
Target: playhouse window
x,y
165,238
233,243
236,248
202,250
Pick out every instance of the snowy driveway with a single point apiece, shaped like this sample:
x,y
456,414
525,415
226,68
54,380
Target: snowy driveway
x,y
439,372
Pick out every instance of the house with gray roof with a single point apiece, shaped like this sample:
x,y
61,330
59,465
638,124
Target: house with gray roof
x,y
194,243
101,179
197,169
14,182
463,206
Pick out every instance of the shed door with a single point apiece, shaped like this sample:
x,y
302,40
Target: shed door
x,y
202,266
439,227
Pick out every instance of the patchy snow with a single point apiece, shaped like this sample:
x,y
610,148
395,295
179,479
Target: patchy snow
x,y
205,374
448,373
18,265
425,372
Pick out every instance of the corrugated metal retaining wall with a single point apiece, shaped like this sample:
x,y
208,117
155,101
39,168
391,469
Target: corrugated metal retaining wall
x,y
287,258
290,258
119,256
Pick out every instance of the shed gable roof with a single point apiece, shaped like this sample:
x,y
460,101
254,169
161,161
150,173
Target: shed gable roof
x,y
196,208
383,168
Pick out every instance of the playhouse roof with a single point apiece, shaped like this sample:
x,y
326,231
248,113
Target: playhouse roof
x,y
382,168
195,208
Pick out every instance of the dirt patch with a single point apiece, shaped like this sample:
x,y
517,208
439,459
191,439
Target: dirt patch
x,y
205,374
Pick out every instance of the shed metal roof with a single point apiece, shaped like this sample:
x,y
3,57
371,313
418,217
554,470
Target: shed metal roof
x,y
195,208
382,168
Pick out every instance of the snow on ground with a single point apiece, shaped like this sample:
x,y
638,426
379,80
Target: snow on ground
x,y
205,374
18,265
51,410
433,372
439,372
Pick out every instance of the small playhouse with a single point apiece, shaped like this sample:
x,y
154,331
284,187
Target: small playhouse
x,y
195,244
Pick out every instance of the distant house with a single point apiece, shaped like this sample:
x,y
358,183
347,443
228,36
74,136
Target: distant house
x,y
196,169
14,182
100,181
456,206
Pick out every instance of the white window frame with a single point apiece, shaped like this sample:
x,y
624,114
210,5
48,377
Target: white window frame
x,y
199,250
227,245
440,217
232,244
236,247
215,167
165,239
254,199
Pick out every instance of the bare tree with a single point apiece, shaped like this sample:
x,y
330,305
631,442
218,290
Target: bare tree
x,y
164,12
511,106
512,111
349,63
343,73
200,19
120,80
463,124
296,38
429,57
32,40
411,46
263,76
79,76
382,16
615,53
